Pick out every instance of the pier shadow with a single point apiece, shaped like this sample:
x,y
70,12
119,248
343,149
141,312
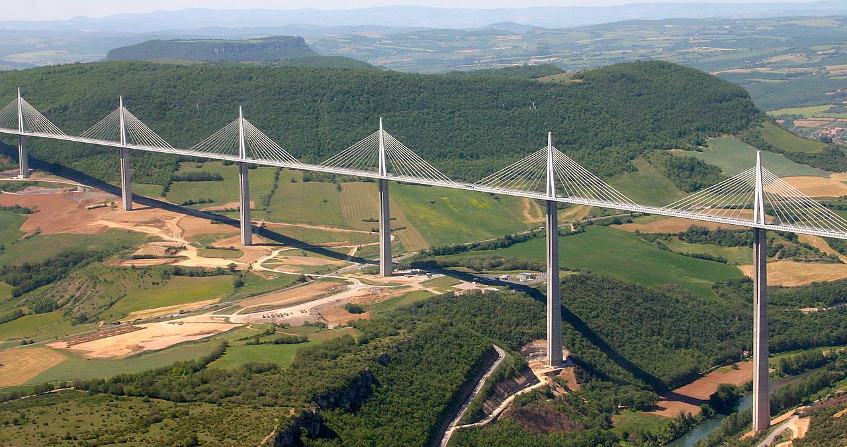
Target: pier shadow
x,y
149,202
577,324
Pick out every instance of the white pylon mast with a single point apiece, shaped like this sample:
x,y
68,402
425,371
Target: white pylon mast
x,y
242,146
122,121
551,176
20,112
758,198
383,169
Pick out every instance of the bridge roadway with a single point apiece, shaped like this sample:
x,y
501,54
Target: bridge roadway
x,y
621,206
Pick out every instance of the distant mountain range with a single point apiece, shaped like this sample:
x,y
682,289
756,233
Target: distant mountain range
x,y
420,16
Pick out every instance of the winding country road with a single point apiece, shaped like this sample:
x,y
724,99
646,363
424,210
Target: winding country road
x,y
501,354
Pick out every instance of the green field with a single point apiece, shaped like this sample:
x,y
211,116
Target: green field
x,y
147,190
10,224
219,192
623,255
176,291
77,367
443,284
448,216
45,246
41,327
314,236
220,253
402,300
239,353
647,185
789,142
257,285
805,112
633,421
314,203
733,255
734,156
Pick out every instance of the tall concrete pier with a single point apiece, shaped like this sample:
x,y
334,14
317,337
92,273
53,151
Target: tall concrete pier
x,y
244,204
554,289
385,265
761,397
23,157
126,180
554,286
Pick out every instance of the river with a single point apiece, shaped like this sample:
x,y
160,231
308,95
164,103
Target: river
x,y
704,428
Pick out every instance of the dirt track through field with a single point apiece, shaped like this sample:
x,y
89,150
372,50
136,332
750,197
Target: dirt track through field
x,y
531,212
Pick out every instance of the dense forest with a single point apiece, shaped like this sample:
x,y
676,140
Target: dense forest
x,y
467,126
394,384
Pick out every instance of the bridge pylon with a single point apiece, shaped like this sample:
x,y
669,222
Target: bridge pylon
x,y
244,185
23,157
555,356
386,266
126,180
761,396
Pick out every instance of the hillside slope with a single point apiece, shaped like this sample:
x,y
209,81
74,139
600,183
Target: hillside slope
x,y
465,126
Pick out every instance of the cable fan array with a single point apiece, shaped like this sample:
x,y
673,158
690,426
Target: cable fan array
x,y
137,133
572,180
257,145
785,206
400,161
33,120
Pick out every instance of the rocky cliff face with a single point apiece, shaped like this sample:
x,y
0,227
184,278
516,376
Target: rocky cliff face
x,y
310,423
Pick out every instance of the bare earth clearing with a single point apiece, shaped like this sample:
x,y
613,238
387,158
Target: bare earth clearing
x,y
295,295
152,337
22,364
687,399
159,311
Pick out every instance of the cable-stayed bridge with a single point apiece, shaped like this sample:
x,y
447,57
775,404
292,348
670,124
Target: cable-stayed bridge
x,y
755,198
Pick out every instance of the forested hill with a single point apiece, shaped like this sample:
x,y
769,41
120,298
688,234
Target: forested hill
x,y
269,48
467,126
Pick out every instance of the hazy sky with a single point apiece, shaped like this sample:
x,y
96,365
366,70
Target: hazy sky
x,y
65,9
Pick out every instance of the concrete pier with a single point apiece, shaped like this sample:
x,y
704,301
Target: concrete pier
x,y
23,157
244,196
385,265
126,180
761,397
554,291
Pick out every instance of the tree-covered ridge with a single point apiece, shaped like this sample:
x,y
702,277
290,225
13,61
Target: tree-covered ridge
x,y
466,126
268,48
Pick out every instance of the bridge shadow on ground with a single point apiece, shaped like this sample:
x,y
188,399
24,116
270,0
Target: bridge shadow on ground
x,y
277,238
580,326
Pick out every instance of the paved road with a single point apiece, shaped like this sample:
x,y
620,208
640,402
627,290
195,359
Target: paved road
x,y
778,431
501,354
